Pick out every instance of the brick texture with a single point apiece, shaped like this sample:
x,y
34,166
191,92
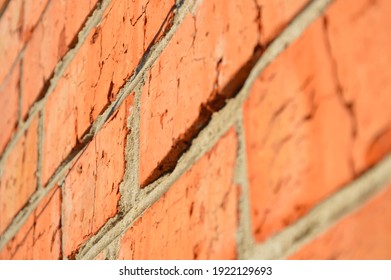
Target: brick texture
x,y
91,188
186,129
95,75
188,217
297,133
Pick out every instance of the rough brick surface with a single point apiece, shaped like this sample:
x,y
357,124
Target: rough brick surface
x,y
108,58
297,133
192,70
91,189
196,218
40,237
18,175
366,234
112,110
204,64
361,59
52,38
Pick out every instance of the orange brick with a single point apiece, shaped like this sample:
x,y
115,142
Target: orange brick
x,y
365,234
9,97
18,179
196,65
107,59
40,236
298,135
196,218
52,38
360,42
92,186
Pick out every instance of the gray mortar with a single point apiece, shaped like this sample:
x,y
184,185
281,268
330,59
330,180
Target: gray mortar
x,y
129,188
244,235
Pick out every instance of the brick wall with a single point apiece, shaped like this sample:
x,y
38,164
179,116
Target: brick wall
x,y
195,129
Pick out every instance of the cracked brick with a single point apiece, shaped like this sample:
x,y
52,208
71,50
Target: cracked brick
x,y
91,188
55,34
109,57
362,63
186,84
196,218
298,136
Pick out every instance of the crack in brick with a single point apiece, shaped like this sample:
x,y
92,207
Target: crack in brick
x,y
216,102
258,20
349,106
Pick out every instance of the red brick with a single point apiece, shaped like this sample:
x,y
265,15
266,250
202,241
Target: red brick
x,y
16,25
9,96
196,218
108,58
275,15
18,179
198,62
52,38
298,135
365,234
360,42
92,186
40,236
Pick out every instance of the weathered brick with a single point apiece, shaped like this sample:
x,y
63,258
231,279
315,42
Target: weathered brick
x,y
40,236
365,234
16,26
298,135
18,179
52,38
92,186
196,218
360,41
108,58
190,74
9,100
